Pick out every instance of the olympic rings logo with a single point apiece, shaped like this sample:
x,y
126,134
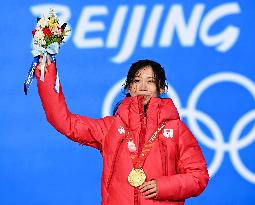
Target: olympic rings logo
x,y
193,115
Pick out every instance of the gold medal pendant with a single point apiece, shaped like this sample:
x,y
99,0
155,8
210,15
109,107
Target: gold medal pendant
x,y
136,177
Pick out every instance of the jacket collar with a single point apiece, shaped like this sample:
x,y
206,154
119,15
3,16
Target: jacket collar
x,y
159,109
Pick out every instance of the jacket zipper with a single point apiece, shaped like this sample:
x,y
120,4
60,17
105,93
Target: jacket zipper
x,y
140,144
113,163
164,158
143,127
136,198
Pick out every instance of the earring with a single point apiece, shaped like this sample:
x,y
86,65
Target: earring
x,y
162,91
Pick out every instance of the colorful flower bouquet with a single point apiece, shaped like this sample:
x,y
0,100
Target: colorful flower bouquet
x,y
47,38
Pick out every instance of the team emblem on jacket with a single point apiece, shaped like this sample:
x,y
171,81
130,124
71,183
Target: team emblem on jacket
x,y
121,130
168,133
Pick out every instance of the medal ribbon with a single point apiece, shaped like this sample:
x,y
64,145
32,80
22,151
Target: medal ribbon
x,y
138,160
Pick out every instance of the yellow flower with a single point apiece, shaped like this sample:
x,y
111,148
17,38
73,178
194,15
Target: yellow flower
x,y
53,22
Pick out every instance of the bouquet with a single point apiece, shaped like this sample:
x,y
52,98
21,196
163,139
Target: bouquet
x,y
48,35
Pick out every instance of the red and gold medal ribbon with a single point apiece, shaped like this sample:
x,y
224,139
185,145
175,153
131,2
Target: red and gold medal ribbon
x,y
137,175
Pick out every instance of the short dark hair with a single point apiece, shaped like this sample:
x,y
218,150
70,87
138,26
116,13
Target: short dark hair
x,y
157,69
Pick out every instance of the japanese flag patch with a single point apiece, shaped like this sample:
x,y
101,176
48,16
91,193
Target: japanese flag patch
x,y
168,133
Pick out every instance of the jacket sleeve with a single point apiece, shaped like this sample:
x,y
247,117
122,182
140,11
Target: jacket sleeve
x,y
81,129
192,177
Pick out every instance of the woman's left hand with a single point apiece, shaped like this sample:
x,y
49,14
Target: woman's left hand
x,y
149,189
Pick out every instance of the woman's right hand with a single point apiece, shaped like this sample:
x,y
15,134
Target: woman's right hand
x,y
48,62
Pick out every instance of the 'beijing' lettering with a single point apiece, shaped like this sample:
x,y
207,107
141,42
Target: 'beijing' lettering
x,y
125,28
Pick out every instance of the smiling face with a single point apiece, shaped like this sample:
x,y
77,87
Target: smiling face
x,y
144,83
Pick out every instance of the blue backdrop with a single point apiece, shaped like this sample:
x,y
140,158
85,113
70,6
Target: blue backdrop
x,y
207,49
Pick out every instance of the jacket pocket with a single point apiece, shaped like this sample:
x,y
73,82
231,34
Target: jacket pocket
x,y
114,162
164,157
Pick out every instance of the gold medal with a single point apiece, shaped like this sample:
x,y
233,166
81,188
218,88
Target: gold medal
x,y
136,177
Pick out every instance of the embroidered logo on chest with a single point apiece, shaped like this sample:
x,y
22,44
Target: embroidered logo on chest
x,y
168,133
131,146
121,130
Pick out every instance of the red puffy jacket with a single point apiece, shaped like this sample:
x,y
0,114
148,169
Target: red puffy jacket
x,y
176,162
